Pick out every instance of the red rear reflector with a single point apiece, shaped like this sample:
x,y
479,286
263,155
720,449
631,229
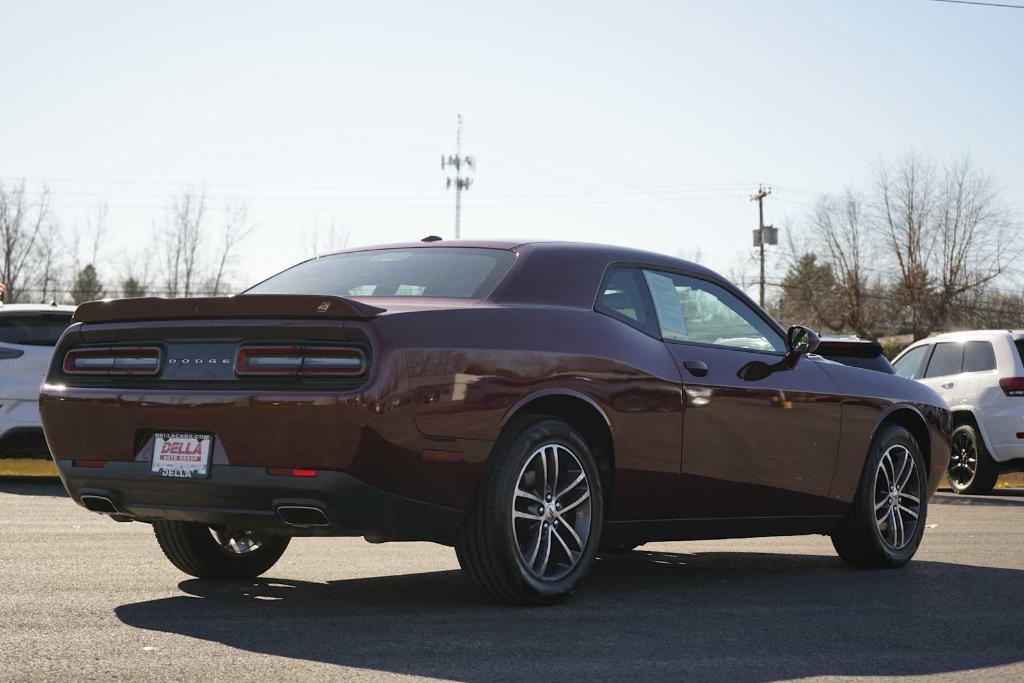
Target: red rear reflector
x,y
300,360
442,456
1012,386
1020,435
291,472
113,360
88,463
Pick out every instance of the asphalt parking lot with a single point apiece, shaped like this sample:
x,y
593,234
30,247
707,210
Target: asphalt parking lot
x,y
83,597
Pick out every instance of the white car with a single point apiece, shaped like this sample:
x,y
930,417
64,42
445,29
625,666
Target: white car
x,y
981,376
28,333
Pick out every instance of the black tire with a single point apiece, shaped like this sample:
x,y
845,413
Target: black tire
x,y
861,541
488,546
192,548
967,446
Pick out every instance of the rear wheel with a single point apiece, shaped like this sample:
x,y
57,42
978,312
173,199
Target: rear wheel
x,y
218,552
887,519
971,469
534,531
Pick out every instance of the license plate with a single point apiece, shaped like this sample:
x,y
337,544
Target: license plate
x,y
182,455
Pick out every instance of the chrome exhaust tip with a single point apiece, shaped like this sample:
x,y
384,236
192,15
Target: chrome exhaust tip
x,y
302,515
98,503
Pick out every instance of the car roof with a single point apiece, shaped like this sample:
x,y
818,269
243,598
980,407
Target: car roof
x,y
968,335
612,252
567,274
12,309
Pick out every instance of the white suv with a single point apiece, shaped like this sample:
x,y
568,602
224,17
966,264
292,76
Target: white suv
x,y
28,333
981,376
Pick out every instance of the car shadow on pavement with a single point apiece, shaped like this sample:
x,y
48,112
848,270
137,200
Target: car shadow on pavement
x,y
32,486
641,614
996,497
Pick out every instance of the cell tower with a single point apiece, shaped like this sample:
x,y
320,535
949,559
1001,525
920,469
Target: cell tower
x,y
459,182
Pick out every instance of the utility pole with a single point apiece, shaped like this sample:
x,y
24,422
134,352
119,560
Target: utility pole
x,y
458,182
765,234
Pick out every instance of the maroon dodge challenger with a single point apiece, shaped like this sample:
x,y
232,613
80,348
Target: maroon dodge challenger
x,y
530,404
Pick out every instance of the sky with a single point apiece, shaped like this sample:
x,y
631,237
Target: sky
x,y
646,124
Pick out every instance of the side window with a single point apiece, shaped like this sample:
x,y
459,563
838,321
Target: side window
x,y
623,296
979,356
909,364
694,310
947,359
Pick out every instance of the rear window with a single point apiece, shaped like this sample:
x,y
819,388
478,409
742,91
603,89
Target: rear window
x,y
1019,343
979,356
33,330
947,359
454,272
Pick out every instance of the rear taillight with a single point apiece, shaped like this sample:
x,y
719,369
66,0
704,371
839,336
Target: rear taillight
x,y
1012,386
330,361
291,472
268,360
113,360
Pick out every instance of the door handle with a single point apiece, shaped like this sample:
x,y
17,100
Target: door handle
x,y
947,385
697,368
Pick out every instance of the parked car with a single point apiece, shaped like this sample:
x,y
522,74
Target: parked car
x,y
859,353
28,333
527,403
980,375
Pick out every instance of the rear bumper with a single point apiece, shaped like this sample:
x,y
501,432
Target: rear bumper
x,y
250,498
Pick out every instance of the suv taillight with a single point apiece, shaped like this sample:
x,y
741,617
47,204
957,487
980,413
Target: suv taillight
x,y
1012,386
113,360
330,361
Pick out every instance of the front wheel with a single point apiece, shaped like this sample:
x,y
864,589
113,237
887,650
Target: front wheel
x,y
886,522
218,552
535,529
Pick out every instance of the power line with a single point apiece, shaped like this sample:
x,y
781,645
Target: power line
x,y
983,4
328,186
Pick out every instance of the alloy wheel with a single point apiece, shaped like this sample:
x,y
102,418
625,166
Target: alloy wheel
x,y
236,541
897,497
963,460
551,512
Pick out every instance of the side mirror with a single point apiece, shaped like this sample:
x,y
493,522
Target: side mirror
x,y
801,340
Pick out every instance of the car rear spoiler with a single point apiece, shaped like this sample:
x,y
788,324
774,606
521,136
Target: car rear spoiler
x,y
241,306
850,348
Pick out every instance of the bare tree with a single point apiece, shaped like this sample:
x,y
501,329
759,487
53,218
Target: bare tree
x,y
907,197
949,235
236,228
21,222
842,237
974,242
136,273
333,238
51,262
98,226
180,238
